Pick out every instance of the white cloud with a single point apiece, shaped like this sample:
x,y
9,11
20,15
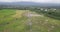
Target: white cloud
x,y
43,1
47,1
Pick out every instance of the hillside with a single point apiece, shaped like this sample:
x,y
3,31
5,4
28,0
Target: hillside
x,y
12,20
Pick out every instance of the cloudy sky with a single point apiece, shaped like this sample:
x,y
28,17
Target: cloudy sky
x,y
42,1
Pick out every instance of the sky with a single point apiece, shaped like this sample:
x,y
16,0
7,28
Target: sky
x,y
40,1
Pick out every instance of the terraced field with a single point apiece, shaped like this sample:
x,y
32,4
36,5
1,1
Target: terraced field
x,y
26,21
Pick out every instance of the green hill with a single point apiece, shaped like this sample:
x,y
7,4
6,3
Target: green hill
x,y
12,20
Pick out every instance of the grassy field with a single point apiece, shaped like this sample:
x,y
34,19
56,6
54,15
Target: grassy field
x,y
12,20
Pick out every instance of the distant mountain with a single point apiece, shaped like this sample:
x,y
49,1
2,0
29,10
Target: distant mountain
x,y
31,4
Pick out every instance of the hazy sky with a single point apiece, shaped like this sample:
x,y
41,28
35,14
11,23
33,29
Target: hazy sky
x,y
43,1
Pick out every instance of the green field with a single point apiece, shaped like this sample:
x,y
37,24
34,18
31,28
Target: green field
x,y
12,20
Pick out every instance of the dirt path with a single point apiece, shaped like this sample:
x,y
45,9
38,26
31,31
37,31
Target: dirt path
x,y
31,14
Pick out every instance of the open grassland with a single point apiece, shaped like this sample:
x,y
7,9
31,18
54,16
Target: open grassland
x,y
18,21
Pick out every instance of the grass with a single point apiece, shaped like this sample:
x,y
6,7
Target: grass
x,y
9,23
43,24
14,21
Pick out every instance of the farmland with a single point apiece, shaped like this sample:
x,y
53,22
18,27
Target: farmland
x,y
13,20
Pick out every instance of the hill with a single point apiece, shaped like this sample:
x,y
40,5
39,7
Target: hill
x,y
15,21
32,4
